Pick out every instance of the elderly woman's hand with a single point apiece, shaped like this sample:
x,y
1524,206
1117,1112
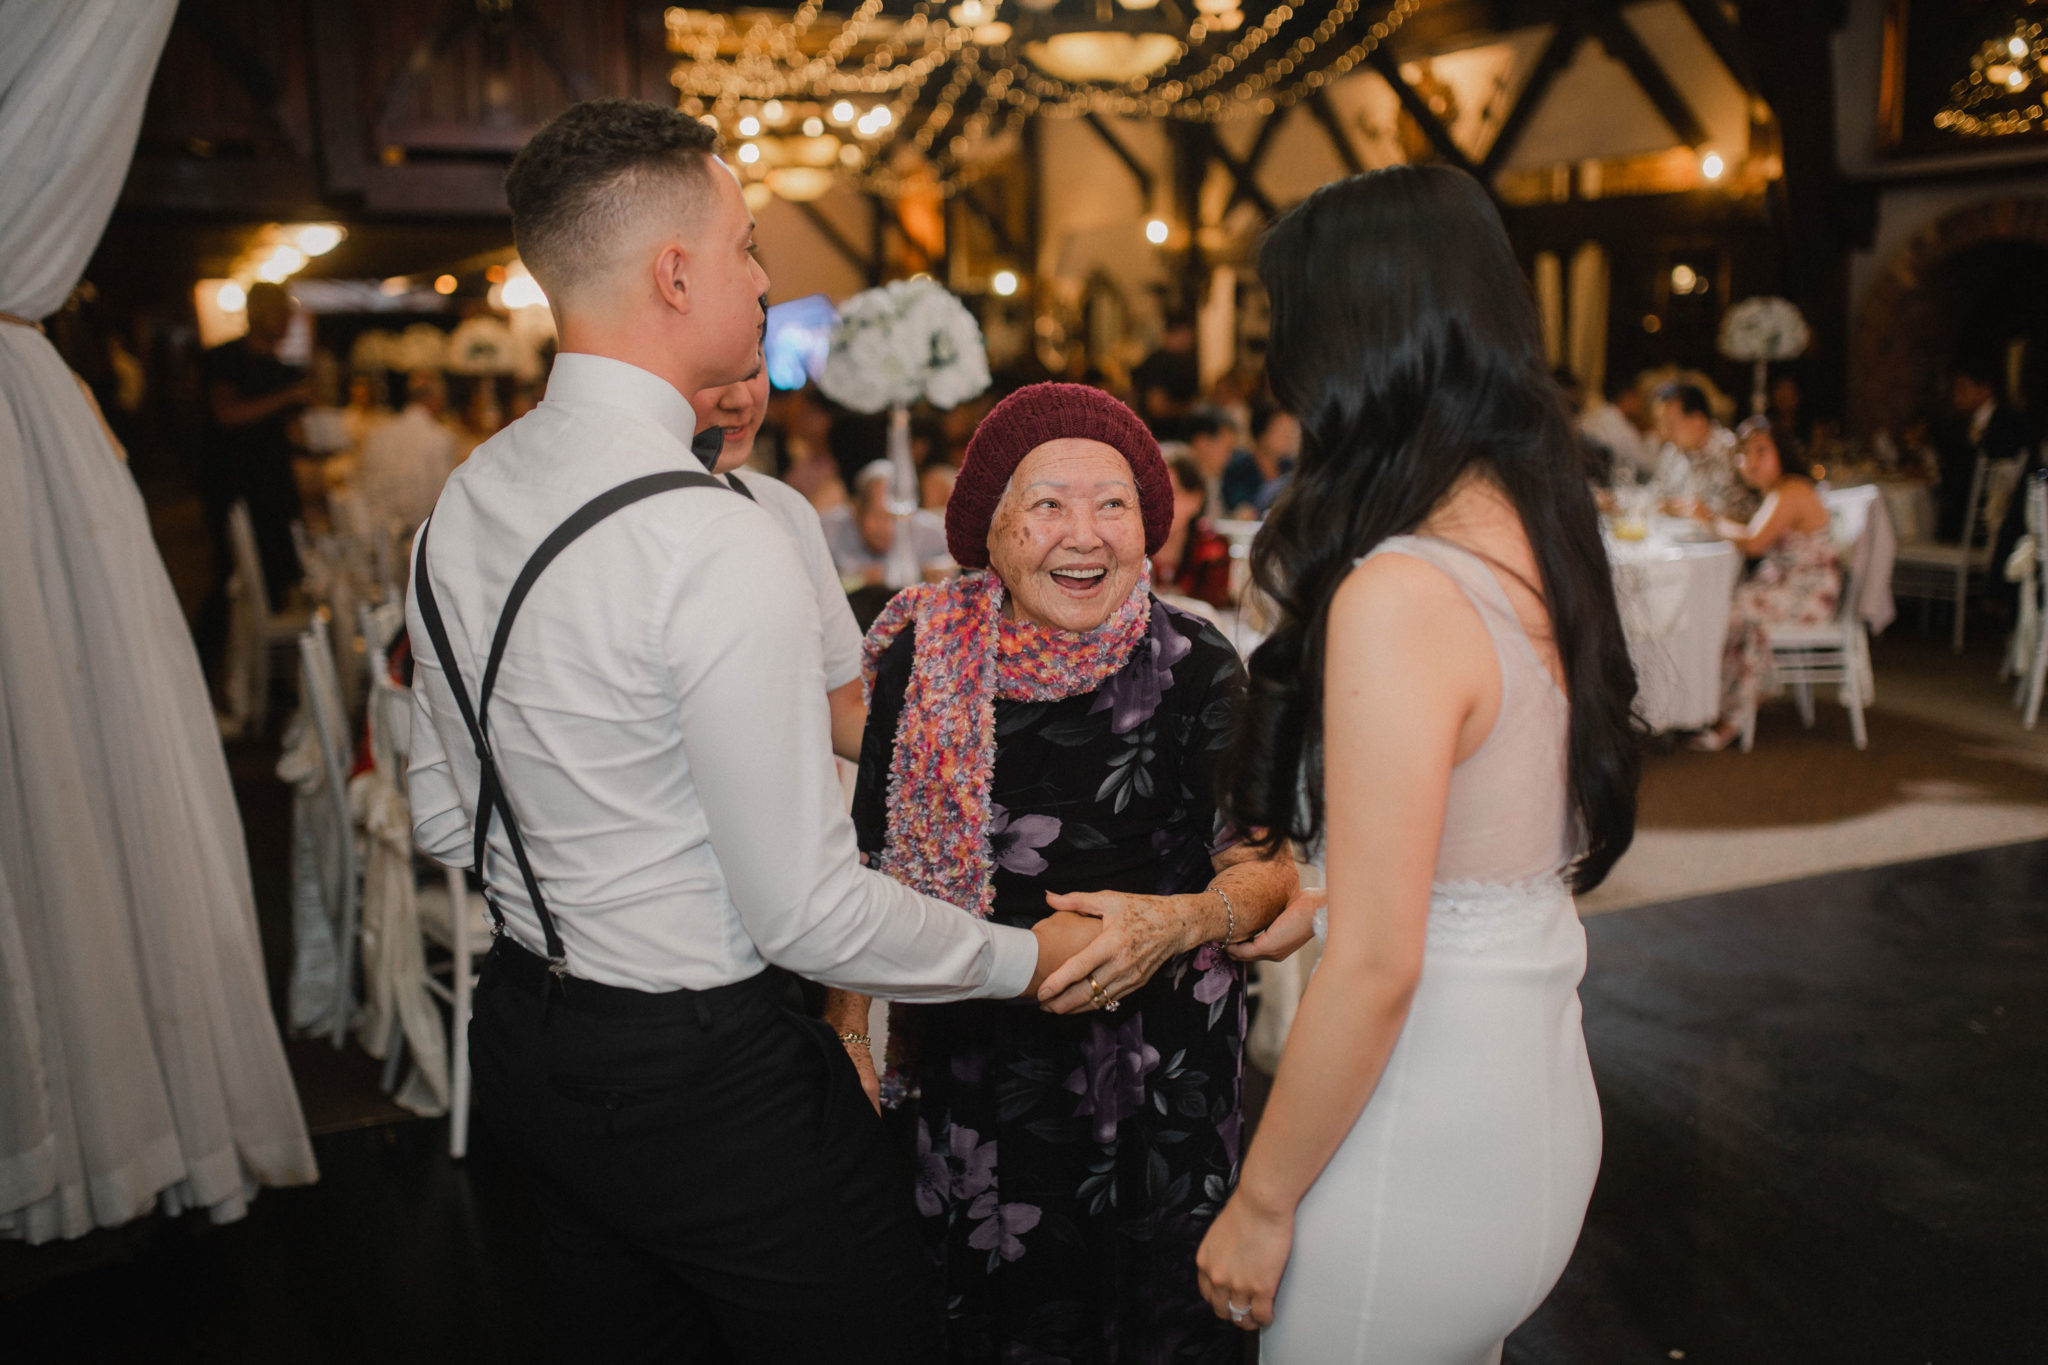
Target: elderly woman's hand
x,y
1288,932
1139,935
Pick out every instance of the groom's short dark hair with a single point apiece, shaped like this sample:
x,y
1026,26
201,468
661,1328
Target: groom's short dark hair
x,y
579,186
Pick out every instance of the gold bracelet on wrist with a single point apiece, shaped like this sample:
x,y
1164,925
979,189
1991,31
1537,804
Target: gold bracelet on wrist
x,y
1229,915
861,1038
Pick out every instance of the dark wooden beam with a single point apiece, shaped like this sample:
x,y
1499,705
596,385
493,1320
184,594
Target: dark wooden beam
x,y
1622,44
1138,169
1722,36
837,239
1418,109
1557,55
1325,113
1245,186
1005,243
1242,173
878,238
342,129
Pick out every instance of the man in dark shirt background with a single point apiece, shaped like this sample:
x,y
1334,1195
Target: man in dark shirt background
x,y
251,398
1983,425
1169,381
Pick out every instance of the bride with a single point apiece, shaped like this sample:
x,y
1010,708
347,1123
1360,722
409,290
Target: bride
x,y
1445,708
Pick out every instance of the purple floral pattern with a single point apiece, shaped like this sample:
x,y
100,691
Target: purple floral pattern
x,y
1119,1134
1014,841
1115,1061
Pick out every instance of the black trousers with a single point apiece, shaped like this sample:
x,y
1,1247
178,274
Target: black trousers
x,y
713,1184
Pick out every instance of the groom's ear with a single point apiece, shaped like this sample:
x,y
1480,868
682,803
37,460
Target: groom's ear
x,y
672,277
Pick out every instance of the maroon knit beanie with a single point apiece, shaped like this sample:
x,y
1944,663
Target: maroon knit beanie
x,y
1026,420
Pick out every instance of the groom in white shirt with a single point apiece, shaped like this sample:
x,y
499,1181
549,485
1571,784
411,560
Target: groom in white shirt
x,y
632,739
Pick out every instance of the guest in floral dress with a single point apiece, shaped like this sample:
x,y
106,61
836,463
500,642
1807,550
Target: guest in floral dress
x,y
1034,730
1796,582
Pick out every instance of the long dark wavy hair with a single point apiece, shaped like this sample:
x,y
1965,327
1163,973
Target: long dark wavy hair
x,y
1404,339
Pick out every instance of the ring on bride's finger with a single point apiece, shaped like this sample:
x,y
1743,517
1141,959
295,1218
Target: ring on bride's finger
x,y
1237,1314
1100,995
1109,1005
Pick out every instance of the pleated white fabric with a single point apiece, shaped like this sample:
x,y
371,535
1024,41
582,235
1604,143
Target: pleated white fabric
x,y
139,1063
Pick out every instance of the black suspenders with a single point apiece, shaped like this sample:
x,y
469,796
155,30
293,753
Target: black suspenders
x,y
491,798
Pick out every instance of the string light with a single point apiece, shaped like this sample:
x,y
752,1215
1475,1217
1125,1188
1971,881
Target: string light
x,y
2003,93
738,70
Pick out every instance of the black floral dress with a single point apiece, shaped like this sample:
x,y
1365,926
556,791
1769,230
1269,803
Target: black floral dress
x,y
1067,1167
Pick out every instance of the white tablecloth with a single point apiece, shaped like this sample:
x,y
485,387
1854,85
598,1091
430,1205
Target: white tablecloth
x,y
1911,505
1674,598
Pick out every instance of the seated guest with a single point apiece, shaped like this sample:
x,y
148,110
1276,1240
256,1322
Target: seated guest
x,y
1796,583
1254,478
1039,728
1613,422
863,533
1696,467
935,485
407,459
1211,440
1195,560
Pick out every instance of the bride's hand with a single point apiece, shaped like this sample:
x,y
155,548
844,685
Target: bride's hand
x,y
1240,1262
1292,928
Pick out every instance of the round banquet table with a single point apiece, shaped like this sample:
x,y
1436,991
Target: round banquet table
x,y
1674,595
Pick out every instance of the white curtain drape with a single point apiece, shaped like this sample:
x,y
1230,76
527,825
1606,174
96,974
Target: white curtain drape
x,y
140,1066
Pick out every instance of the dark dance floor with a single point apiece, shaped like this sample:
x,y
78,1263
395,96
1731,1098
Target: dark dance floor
x,y
1826,1109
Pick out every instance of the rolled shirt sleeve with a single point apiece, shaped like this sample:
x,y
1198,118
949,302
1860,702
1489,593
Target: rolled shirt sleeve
x,y
744,656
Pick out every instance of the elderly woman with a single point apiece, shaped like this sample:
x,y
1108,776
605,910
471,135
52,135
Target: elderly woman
x,y
1045,728
1797,580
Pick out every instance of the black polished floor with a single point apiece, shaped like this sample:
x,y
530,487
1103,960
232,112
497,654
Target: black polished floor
x,y
1826,1108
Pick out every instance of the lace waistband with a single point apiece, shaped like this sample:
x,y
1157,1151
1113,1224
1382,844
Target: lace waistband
x,y
1470,916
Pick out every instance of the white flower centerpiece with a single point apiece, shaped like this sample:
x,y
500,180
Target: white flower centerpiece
x,y
904,342
1761,330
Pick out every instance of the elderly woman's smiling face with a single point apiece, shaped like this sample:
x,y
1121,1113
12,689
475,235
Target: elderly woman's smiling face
x,y
1068,539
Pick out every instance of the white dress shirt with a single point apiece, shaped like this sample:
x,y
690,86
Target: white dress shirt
x,y
838,633
660,723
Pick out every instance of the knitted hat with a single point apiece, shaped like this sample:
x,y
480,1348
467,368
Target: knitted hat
x,y
1026,420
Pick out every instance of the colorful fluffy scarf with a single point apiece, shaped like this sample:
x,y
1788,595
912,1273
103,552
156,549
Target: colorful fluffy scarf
x,y
967,654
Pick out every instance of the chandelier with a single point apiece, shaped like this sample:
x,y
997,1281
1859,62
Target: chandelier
x,y
2004,91
931,96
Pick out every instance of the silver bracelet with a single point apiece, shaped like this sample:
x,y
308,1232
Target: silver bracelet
x,y
1229,915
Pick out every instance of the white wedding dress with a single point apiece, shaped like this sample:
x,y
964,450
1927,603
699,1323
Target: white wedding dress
x,y
1453,1204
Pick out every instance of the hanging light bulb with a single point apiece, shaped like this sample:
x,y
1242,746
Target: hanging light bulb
x,y
317,239
749,153
1004,283
231,298
842,112
1712,166
1155,232
750,126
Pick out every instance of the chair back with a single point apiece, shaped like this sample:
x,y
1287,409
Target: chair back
x,y
1852,525
248,563
2001,481
323,699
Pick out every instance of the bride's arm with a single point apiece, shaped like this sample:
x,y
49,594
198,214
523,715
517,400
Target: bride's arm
x,y
1408,664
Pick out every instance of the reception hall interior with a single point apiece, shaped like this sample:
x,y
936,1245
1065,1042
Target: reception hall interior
x,y
260,297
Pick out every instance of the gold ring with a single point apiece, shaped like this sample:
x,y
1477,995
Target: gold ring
x,y
1096,987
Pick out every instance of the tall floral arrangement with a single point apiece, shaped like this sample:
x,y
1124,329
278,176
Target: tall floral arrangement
x,y
905,342
1761,330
